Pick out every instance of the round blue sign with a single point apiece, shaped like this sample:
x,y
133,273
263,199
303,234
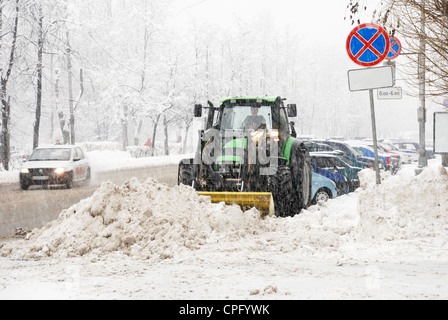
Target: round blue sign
x,y
368,44
395,48
445,102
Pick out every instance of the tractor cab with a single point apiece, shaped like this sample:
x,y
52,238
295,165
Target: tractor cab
x,y
248,150
251,114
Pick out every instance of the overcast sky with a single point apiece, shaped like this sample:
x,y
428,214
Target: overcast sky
x,y
318,22
318,18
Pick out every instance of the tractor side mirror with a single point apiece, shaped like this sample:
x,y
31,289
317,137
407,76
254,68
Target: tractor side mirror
x,y
293,129
198,111
292,110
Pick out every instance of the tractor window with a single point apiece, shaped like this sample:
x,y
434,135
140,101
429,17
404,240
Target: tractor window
x,y
246,118
284,125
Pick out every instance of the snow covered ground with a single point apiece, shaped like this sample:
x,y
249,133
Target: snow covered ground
x,y
144,240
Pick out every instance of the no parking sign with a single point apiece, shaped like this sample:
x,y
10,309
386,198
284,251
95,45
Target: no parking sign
x,y
395,48
368,44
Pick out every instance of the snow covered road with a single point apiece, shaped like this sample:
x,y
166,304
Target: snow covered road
x,y
146,240
36,207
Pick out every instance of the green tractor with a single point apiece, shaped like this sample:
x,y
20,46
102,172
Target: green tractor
x,y
249,155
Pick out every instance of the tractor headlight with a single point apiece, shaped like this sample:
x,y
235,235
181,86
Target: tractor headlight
x,y
275,135
24,171
59,171
257,135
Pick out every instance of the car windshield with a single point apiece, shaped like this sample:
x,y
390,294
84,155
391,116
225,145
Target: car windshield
x,y
359,151
391,147
346,160
50,155
246,118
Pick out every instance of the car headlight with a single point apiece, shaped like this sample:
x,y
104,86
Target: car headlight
x,y
59,171
24,170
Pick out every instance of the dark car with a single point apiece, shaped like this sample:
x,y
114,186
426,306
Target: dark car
x,y
328,169
318,147
358,159
334,164
390,162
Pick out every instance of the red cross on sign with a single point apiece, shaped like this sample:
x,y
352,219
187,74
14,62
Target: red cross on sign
x,y
368,44
395,48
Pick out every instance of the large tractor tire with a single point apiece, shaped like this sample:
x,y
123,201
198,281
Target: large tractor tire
x,y
185,173
300,165
281,187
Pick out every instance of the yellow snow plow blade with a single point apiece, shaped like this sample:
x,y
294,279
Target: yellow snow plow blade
x,y
262,201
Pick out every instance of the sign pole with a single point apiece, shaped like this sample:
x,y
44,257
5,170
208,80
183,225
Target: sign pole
x,y
422,159
367,45
375,140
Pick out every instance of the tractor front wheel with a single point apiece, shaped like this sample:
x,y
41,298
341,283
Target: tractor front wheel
x,y
185,174
283,193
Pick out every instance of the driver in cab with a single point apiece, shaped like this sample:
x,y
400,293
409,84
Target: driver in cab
x,y
254,121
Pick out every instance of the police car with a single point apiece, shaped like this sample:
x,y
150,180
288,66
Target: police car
x,y
55,165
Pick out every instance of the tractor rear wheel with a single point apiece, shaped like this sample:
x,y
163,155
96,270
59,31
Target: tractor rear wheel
x,y
300,164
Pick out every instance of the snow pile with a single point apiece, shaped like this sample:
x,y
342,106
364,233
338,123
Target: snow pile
x,y
153,221
144,220
404,207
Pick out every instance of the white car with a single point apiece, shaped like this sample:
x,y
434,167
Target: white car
x,y
389,147
55,165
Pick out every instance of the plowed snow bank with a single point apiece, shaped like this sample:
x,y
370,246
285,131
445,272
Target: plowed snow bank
x,y
404,207
153,221
148,220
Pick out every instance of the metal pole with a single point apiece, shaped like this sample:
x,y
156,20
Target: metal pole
x,y
422,160
445,160
375,140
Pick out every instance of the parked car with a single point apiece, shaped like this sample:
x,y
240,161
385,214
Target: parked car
x,y
359,160
55,165
347,160
412,148
318,147
331,166
396,155
323,189
390,148
335,162
390,163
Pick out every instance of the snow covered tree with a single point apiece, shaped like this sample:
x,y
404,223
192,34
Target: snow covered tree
x,y
404,18
8,41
